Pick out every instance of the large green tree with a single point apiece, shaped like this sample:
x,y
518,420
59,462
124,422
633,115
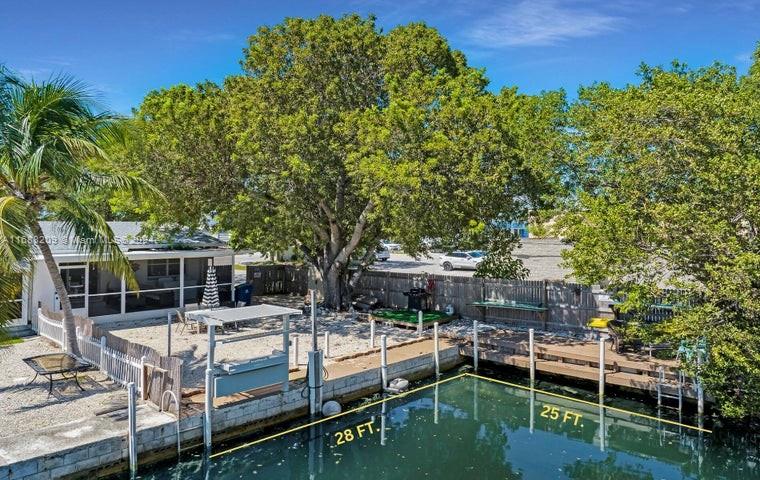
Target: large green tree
x,y
338,135
50,134
669,175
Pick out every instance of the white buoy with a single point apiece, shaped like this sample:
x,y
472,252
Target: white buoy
x,y
331,408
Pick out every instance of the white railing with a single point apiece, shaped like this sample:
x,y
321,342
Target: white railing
x,y
50,329
120,367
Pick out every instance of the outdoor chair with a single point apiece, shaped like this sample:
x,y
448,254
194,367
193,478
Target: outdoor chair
x,y
183,322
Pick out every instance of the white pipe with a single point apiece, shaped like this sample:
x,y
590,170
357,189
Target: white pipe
x,y
602,339
419,323
437,355
384,361
132,414
532,354
295,350
372,333
314,346
169,334
475,344
209,407
327,344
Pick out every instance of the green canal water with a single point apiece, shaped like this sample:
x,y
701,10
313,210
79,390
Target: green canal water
x,y
471,428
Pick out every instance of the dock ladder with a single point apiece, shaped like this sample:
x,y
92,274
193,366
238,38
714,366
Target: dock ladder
x,y
662,382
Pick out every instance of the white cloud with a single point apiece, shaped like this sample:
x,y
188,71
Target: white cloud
x,y
538,23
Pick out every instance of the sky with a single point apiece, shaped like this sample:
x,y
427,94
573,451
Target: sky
x,y
124,49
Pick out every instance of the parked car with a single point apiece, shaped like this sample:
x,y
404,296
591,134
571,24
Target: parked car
x,y
393,247
464,260
382,253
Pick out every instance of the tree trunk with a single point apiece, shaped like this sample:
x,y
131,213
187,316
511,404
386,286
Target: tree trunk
x,y
332,287
69,327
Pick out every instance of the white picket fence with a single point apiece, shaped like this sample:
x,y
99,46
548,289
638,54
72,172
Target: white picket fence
x,y
120,367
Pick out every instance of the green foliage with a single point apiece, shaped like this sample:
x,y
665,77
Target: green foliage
x,y
669,173
338,135
500,261
49,137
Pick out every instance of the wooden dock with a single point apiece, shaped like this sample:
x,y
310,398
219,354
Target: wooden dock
x,y
579,359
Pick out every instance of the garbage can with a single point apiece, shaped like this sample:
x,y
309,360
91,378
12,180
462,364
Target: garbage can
x,y
243,293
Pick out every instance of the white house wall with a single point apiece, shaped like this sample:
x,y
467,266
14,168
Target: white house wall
x,y
43,293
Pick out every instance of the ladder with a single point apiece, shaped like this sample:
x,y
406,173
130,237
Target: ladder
x,y
662,382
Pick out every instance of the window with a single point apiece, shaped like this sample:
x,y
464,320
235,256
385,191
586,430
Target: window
x,y
105,292
156,274
195,278
165,267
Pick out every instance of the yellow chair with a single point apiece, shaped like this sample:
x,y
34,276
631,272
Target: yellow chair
x,y
598,322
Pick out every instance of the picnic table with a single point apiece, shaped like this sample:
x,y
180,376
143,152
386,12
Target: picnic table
x,y
56,364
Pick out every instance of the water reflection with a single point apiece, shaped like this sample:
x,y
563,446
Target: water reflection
x,y
470,428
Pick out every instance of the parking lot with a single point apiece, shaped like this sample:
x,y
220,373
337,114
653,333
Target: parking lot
x,y
541,256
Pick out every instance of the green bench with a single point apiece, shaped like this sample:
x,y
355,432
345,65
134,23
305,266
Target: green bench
x,y
512,305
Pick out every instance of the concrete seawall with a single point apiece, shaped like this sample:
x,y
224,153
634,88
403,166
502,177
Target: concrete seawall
x,y
97,446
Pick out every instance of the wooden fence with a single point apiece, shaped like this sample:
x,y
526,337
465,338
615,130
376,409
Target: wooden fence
x,y
123,361
569,305
278,279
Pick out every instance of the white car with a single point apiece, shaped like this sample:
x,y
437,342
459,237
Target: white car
x,y
382,253
464,260
393,247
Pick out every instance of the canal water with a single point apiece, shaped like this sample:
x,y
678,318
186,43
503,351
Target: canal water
x,y
468,427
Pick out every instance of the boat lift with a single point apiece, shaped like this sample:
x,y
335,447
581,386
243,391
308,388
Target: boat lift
x,y
234,377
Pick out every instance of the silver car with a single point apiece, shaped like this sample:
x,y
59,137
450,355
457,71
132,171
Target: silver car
x,y
465,260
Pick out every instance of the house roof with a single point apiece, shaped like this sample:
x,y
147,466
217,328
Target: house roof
x,y
128,236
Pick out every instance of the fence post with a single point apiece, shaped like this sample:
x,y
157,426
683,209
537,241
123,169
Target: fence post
x,y
384,360
475,345
132,410
295,350
437,355
372,333
103,354
327,344
532,353
419,323
143,379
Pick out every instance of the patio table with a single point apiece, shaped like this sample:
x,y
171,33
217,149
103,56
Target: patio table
x,y
56,364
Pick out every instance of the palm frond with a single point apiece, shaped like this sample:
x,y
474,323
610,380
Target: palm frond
x,y
95,238
15,245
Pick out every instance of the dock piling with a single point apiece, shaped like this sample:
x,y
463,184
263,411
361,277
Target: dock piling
x,y
532,353
295,350
602,342
327,344
384,361
475,345
132,412
372,333
419,323
436,352
208,407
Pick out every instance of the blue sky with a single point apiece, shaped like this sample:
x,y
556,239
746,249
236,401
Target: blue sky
x,y
124,49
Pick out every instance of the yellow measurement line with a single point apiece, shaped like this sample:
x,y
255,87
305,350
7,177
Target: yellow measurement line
x,y
615,409
327,419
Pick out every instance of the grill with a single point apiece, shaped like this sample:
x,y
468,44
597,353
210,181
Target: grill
x,y
418,299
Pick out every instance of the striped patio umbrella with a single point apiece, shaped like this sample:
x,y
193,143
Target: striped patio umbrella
x,y
211,292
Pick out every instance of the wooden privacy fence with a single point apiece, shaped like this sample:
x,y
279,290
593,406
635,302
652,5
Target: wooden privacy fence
x,y
569,305
278,279
123,361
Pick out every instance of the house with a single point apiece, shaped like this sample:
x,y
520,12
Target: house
x,y
170,274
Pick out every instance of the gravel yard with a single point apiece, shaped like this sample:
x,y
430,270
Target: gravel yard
x,y
25,407
346,337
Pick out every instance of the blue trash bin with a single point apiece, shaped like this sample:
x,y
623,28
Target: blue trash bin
x,y
243,293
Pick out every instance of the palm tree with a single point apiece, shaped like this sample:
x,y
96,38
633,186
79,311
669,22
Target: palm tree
x,y
50,136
